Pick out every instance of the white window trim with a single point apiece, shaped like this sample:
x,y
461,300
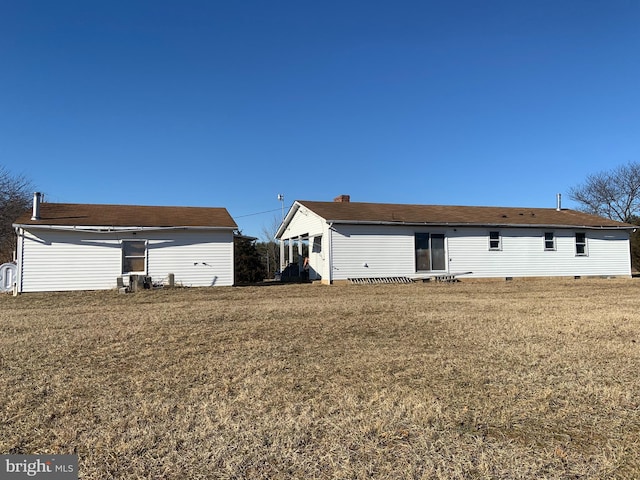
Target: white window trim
x,y
499,247
586,245
446,249
146,252
544,241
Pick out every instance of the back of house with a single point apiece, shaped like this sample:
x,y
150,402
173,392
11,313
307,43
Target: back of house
x,y
64,246
353,240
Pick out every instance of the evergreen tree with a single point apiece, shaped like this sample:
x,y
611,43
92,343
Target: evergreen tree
x,y
270,257
249,267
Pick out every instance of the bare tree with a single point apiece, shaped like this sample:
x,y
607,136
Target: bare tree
x,y
269,248
15,198
613,194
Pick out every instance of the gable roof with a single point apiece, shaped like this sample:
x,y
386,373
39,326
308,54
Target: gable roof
x,y
94,215
390,213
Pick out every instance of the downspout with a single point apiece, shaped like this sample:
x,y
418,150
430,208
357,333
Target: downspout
x,y
282,263
19,261
330,256
447,258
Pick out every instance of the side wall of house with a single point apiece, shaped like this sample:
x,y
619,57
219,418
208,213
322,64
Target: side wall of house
x,y
304,222
361,251
313,228
58,261
371,251
202,258
54,260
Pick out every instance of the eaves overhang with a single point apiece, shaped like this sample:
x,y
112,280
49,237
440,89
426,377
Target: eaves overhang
x,y
110,229
287,219
477,225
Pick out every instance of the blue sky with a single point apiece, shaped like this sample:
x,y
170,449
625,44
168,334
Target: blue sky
x,y
211,103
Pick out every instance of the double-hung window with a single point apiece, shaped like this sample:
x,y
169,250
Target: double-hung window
x,y
495,242
581,244
549,241
134,256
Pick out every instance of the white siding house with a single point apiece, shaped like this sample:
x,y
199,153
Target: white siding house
x,y
88,247
350,240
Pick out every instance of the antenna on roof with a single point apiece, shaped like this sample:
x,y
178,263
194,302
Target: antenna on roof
x,y
281,198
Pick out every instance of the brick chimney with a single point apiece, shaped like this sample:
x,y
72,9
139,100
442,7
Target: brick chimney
x,y
342,199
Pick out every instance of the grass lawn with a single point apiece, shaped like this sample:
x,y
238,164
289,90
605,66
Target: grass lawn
x,y
522,379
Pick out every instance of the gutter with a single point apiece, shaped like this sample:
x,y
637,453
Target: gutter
x,y
111,229
495,225
330,248
19,261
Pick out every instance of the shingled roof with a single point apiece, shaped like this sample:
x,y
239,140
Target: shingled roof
x,y
94,215
389,213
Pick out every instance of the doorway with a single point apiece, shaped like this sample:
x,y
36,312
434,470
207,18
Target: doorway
x,y
430,252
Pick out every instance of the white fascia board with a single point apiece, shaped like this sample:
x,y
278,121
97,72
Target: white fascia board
x,y
110,229
287,219
493,225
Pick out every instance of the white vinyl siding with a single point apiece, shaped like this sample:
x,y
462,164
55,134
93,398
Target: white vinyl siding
x,y
521,255
370,251
305,222
196,258
62,261
316,258
313,228
360,251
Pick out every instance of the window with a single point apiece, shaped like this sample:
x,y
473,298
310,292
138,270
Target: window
x,y
494,240
134,256
581,244
430,254
549,241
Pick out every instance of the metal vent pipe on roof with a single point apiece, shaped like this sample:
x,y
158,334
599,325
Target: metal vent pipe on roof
x,y
559,202
36,206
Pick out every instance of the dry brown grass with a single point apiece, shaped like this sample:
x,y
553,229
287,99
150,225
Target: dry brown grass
x,y
468,380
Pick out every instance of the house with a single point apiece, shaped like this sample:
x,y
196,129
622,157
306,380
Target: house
x,y
344,240
64,246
